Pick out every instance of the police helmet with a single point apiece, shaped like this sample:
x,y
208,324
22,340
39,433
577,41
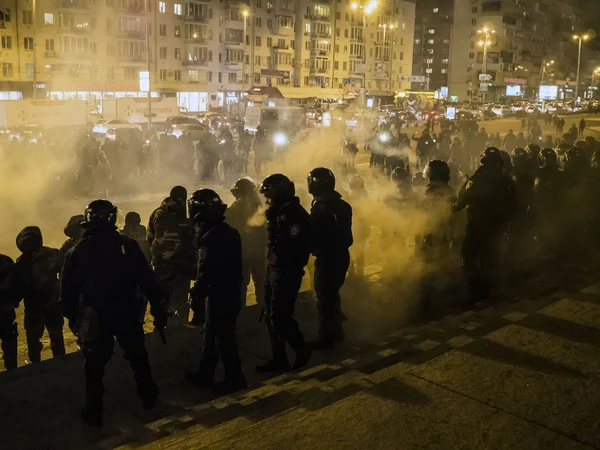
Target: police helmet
x,y
320,181
518,151
548,158
562,148
205,202
437,170
583,145
277,187
400,175
507,164
573,160
178,193
533,149
492,157
100,211
244,187
356,182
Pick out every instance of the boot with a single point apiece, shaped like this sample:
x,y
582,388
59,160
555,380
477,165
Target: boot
x,y
280,362
230,386
302,358
200,380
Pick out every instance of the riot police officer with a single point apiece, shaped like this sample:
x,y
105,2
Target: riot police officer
x,y
216,290
172,254
9,300
288,249
99,285
242,215
73,231
547,201
37,272
331,219
524,171
434,244
490,199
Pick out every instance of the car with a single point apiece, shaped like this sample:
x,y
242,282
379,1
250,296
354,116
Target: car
x,y
196,131
128,135
27,133
207,117
178,120
501,110
516,106
532,110
103,126
488,114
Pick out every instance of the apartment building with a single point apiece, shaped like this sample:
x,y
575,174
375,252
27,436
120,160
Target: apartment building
x,y
204,52
433,33
527,33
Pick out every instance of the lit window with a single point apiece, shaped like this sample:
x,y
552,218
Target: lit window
x,y
430,41
162,7
443,70
307,28
177,9
431,31
48,19
429,70
435,10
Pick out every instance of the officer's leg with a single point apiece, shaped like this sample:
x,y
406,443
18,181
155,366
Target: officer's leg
x,y
8,336
179,299
34,330
96,357
490,249
225,338
328,281
210,355
131,339
470,260
359,258
245,280
54,322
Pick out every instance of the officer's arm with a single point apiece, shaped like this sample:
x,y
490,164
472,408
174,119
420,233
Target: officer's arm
x,y
69,289
151,233
144,277
464,196
320,220
200,289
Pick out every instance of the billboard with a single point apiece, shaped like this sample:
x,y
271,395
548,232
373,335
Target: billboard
x,y
548,92
513,91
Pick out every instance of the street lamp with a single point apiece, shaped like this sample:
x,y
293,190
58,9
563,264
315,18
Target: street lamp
x,y
385,28
544,67
580,38
366,10
245,14
487,35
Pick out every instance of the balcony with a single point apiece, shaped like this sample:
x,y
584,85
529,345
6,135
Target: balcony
x,y
72,4
356,39
200,63
319,52
131,10
281,48
357,57
75,29
196,40
85,56
197,19
320,34
234,24
50,54
134,58
233,65
234,44
282,31
137,34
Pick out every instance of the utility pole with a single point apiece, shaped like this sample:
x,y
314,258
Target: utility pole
x,y
148,66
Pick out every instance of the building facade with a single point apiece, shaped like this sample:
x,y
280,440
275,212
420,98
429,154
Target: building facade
x,y
433,34
204,52
526,35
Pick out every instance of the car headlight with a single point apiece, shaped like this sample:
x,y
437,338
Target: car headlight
x,y
280,139
384,137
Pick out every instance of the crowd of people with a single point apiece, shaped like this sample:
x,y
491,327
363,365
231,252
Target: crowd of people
x,y
532,203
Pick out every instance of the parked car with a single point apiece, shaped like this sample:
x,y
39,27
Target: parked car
x,y
129,135
502,110
196,131
103,126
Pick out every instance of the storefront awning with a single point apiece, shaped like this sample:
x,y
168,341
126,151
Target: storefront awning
x,y
257,98
312,92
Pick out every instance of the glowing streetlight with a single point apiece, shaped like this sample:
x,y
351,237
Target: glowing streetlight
x,y
579,38
487,33
245,14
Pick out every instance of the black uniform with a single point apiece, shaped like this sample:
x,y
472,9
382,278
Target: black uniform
x,y
37,272
169,237
9,300
217,289
331,218
289,244
99,284
490,199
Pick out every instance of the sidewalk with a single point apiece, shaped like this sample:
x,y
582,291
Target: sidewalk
x,y
518,374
